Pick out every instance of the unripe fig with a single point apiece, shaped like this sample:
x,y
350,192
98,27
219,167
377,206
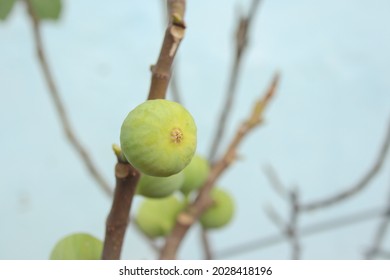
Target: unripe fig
x,y
195,174
156,217
221,211
77,246
158,137
157,187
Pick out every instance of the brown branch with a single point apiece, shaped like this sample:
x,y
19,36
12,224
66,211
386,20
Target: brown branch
x,y
173,85
161,72
242,36
126,182
265,242
59,106
208,253
126,175
360,185
203,201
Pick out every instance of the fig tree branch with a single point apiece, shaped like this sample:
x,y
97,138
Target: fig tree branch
x,y
360,185
174,84
315,228
161,71
126,175
241,40
186,219
208,253
58,104
126,182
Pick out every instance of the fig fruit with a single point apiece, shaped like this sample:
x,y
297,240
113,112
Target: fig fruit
x,y
158,137
220,213
157,217
157,187
195,174
77,246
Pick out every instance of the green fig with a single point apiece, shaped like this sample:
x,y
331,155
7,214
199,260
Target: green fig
x,y
77,246
158,137
157,187
157,217
221,211
195,174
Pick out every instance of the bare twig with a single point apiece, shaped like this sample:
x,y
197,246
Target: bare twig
x,y
59,106
360,185
241,40
242,35
203,200
265,242
274,217
126,182
292,231
380,233
289,229
161,72
208,253
275,182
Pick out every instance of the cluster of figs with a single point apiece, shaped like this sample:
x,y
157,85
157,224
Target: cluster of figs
x,y
159,138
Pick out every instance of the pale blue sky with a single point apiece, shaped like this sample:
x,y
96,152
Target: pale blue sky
x,y
322,131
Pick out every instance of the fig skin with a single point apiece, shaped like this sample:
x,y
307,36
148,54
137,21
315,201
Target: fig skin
x,y
158,137
157,217
221,211
195,174
158,187
77,246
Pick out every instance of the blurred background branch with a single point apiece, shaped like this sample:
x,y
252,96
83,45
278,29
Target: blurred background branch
x,y
59,105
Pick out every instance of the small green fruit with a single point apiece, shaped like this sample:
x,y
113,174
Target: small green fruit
x,y
195,174
77,246
220,213
157,217
157,187
158,137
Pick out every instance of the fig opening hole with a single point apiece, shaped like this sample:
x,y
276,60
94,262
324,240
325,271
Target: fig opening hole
x,y
176,135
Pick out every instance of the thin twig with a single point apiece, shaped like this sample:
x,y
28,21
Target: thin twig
x,y
275,181
380,233
290,228
293,225
208,253
265,242
59,106
161,71
360,185
274,217
242,37
126,182
203,201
